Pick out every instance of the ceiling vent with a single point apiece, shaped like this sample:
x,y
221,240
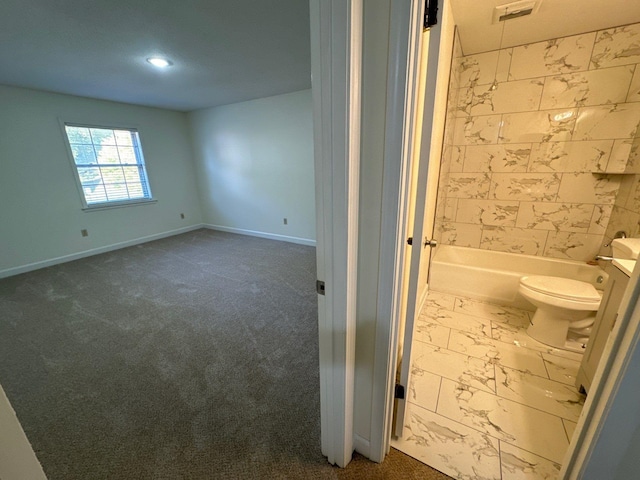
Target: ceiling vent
x,y
513,10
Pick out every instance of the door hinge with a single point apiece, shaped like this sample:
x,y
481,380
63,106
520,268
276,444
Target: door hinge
x,y
410,241
430,13
399,392
320,287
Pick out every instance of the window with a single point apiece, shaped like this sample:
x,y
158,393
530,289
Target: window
x,y
109,164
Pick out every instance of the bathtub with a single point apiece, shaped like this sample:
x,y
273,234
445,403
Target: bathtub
x,y
494,276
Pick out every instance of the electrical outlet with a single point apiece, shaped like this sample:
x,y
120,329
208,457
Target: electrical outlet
x,y
84,232
285,221
182,216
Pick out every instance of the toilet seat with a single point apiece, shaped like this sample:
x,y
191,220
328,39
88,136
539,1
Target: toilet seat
x,y
562,288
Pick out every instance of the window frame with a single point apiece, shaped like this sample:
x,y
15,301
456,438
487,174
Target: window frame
x,y
76,175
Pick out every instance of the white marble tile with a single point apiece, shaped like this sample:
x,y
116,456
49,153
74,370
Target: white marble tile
x,y
627,185
573,157
588,188
616,46
634,89
477,130
561,369
480,69
534,127
499,353
625,220
562,55
607,122
525,427
574,246
518,464
432,333
619,158
454,366
492,312
622,159
524,186
497,158
595,87
439,300
457,158
459,321
452,448
600,219
450,209
535,391
565,217
518,336
570,428
468,185
424,388
508,97
463,102
487,212
461,234
513,240
633,200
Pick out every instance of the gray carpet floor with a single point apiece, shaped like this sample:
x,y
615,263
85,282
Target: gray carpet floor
x,y
191,357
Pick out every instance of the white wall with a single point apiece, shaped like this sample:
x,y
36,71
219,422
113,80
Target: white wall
x,y
255,166
41,210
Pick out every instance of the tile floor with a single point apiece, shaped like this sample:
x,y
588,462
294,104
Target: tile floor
x,y
485,401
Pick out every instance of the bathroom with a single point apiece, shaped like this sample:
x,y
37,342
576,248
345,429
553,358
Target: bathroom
x,y
538,175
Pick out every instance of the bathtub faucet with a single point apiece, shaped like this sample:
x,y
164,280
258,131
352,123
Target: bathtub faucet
x,y
604,258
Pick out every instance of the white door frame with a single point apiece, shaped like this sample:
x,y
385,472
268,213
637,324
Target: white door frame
x,y
336,46
404,43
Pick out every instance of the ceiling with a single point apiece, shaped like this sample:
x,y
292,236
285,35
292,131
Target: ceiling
x,y
554,18
223,51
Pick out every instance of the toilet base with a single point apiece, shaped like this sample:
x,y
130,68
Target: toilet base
x,y
553,331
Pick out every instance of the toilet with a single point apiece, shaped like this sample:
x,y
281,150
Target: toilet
x,y
565,310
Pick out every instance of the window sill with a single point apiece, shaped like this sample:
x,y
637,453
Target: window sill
x,y
109,206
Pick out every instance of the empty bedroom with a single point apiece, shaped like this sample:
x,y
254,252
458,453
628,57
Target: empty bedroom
x,y
158,311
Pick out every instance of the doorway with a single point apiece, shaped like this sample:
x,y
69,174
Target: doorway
x,y
448,311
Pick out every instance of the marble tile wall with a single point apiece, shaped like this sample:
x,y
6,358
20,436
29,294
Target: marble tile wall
x,y
541,164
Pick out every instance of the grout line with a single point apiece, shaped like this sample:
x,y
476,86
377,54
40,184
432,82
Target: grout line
x,y
438,397
544,362
593,47
566,432
544,87
633,74
500,456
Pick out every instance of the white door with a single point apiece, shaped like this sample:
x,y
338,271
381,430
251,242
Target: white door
x,y
433,78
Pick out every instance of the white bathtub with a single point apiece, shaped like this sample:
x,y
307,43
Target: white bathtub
x,y
494,276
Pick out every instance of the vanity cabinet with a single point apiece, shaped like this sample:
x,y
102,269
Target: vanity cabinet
x,y
603,324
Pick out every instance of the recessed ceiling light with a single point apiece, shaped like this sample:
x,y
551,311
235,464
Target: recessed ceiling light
x,y
159,62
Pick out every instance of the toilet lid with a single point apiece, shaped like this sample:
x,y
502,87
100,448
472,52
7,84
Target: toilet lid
x,y
562,288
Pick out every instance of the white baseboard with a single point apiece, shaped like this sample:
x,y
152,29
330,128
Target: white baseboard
x,y
361,445
94,251
271,236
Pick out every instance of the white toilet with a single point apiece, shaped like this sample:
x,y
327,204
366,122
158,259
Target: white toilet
x,y
565,310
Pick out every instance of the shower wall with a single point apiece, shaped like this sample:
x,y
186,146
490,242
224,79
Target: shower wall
x,y
536,165
626,209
